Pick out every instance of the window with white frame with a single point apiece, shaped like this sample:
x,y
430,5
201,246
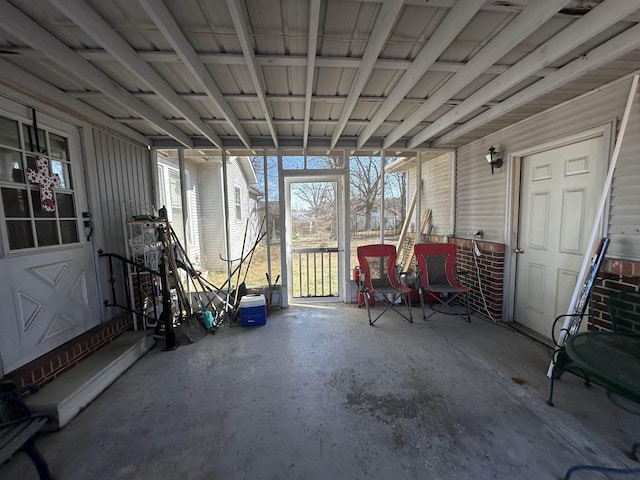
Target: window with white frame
x,y
238,201
37,192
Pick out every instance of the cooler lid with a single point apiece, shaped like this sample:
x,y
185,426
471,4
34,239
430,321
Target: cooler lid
x,y
253,301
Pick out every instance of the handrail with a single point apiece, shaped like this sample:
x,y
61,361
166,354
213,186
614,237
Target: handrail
x,y
127,306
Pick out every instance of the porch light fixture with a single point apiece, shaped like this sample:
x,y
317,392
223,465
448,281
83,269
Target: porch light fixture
x,y
494,158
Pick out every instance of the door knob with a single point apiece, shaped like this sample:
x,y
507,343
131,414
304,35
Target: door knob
x,y
518,250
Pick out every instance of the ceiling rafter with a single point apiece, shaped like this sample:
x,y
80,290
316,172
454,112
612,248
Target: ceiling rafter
x,y
242,31
97,28
161,16
19,79
245,97
520,27
387,18
258,121
271,60
457,18
314,23
24,28
619,45
598,19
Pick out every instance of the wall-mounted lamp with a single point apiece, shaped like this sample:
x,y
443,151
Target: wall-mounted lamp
x,y
494,158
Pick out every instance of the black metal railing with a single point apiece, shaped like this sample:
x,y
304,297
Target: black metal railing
x,y
138,280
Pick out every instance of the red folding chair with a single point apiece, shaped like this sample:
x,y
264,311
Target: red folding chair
x,y
379,280
437,277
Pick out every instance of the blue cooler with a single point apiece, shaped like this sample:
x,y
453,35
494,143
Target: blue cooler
x,y
253,310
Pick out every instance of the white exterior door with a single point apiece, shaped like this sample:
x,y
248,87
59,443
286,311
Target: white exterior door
x,y
47,273
560,192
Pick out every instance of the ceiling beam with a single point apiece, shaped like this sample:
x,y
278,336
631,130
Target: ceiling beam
x,y
24,28
270,60
601,55
457,18
258,121
249,97
382,28
520,27
314,22
242,31
597,20
502,6
23,81
97,28
161,16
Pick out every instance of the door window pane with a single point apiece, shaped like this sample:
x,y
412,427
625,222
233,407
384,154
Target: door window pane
x,y
62,170
47,232
15,203
31,162
38,212
11,166
69,231
9,133
33,144
20,234
64,204
58,147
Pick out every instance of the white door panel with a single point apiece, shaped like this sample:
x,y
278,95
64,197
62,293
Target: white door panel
x,y
53,300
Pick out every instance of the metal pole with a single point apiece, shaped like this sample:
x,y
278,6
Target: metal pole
x,y
265,178
418,220
225,189
183,198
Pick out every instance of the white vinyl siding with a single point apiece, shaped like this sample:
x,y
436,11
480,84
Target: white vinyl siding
x,y
481,197
211,216
624,211
237,225
436,192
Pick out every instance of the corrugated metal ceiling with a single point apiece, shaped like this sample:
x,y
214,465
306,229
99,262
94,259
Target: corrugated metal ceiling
x,y
246,79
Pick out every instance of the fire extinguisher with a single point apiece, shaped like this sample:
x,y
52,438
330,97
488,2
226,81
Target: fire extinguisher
x,y
356,274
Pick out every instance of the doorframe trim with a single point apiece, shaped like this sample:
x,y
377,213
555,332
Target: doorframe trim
x,y
514,188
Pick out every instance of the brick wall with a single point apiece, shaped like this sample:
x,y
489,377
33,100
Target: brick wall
x,y
490,265
44,369
615,275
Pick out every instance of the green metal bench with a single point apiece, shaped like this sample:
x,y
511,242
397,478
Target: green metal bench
x,y
18,426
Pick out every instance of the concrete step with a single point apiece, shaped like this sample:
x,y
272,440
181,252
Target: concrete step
x,y
72,391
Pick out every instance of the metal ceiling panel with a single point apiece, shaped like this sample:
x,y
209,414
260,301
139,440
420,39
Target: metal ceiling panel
x,y
46,70
346,28
54,21
233,91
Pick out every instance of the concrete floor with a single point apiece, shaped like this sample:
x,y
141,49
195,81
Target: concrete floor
x,y
318,394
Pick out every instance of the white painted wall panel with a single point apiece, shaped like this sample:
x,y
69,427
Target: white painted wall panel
x,y
123,173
